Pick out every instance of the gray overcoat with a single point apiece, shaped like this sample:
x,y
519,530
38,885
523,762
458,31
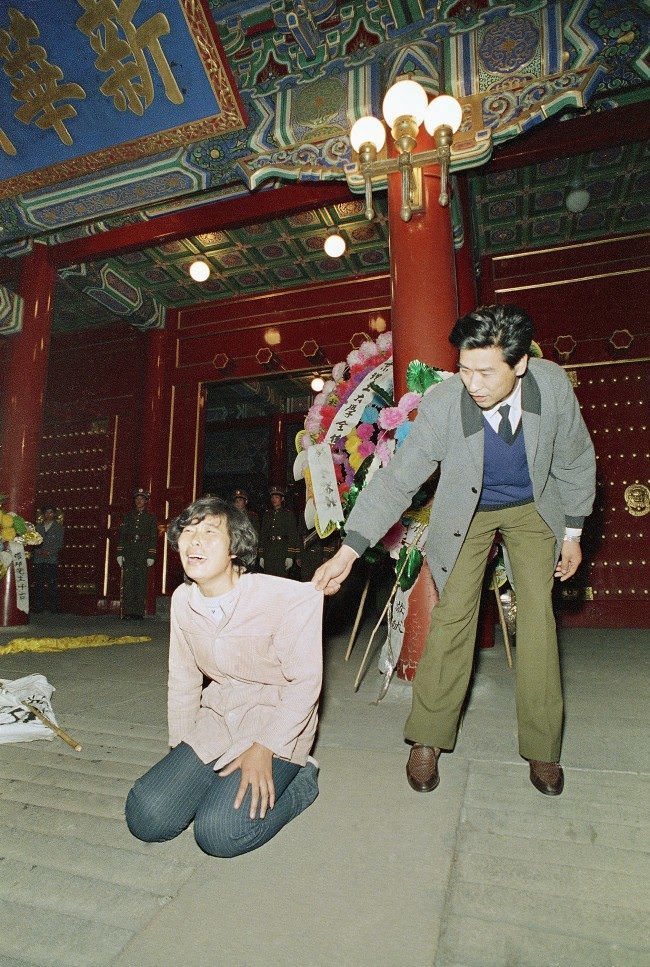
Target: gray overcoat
x,y
448,431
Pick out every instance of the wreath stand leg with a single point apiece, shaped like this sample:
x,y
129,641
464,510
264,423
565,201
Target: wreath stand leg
x,y
357,620
502,622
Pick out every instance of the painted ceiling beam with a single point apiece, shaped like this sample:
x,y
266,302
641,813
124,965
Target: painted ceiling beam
x,y
559,139
217,216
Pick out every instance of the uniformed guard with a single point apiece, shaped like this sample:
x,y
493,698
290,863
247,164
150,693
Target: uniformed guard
x,y
240,500
45,561
136,552
279,542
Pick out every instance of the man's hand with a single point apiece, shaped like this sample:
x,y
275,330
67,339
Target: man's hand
x,y
120,560
150,561
256,766
570,560
288,563
330,576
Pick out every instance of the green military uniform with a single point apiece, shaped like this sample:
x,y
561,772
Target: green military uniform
x,y
278,540
240,500
137,545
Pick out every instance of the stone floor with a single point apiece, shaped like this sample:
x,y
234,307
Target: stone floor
x,y
484,871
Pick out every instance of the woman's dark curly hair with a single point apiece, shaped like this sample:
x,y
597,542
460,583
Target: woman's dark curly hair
x,y
243,539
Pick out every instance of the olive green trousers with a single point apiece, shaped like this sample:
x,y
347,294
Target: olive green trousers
x,y
445,667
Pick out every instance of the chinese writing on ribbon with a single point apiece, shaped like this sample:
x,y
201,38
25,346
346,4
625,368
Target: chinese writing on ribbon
x,y
120,47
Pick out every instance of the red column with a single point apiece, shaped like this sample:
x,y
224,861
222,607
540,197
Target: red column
x,y
424,309
21,402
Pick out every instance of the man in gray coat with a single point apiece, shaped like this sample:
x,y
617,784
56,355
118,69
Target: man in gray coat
x,y
514,456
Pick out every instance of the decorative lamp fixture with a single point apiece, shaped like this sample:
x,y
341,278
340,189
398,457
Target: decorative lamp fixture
x,y
334,245
200,270
317,383
405,107
578,197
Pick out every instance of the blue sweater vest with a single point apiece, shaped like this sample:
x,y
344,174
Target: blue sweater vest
x,y
506,480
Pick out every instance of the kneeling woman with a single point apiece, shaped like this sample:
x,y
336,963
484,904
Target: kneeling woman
x,y
239,766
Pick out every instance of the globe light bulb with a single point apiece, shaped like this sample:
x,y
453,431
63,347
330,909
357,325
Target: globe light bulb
x,y
406,97
200,270
334,246
317,384
578,197
443,109
368,130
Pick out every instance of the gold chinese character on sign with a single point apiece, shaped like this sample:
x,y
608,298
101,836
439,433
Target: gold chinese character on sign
x,y
637,500
120,47
5,144
34,81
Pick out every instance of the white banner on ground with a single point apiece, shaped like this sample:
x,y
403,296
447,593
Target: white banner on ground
x,y
17,723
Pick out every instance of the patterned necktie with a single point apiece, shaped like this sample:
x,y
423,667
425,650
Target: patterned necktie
x,y
505,430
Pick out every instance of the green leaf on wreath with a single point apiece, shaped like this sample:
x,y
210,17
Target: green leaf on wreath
x,y
383,394
408,572
419,376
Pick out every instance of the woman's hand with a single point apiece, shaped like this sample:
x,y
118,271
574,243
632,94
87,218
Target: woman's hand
x,y
256,766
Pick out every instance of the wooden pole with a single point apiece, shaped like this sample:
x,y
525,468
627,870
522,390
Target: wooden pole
x,y
55,728
502,621
357,620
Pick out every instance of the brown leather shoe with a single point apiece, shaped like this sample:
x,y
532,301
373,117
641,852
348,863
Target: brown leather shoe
x,y
422,768
548,777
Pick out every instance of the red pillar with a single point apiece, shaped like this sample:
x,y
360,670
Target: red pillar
x,y
424,309
21,402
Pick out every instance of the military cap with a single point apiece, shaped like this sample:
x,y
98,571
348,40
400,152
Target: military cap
x,y
282,491
141,492
240,493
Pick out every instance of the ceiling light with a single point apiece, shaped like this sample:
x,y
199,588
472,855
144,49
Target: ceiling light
x,y
317,383
578,197
334,245
200,270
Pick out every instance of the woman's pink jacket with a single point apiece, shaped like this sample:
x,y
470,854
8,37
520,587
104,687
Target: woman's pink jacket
x,y
264,663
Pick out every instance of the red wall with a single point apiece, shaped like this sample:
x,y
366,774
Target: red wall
x,y
90,452
586,300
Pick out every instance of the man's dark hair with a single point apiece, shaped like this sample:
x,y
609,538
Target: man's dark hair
x,y
243,539
507,327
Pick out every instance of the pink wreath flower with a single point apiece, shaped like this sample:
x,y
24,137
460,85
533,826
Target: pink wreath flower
x,y
393,416
384,451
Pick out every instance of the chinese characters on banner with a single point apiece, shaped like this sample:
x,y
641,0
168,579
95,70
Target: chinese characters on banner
x,y
17,551
121,50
